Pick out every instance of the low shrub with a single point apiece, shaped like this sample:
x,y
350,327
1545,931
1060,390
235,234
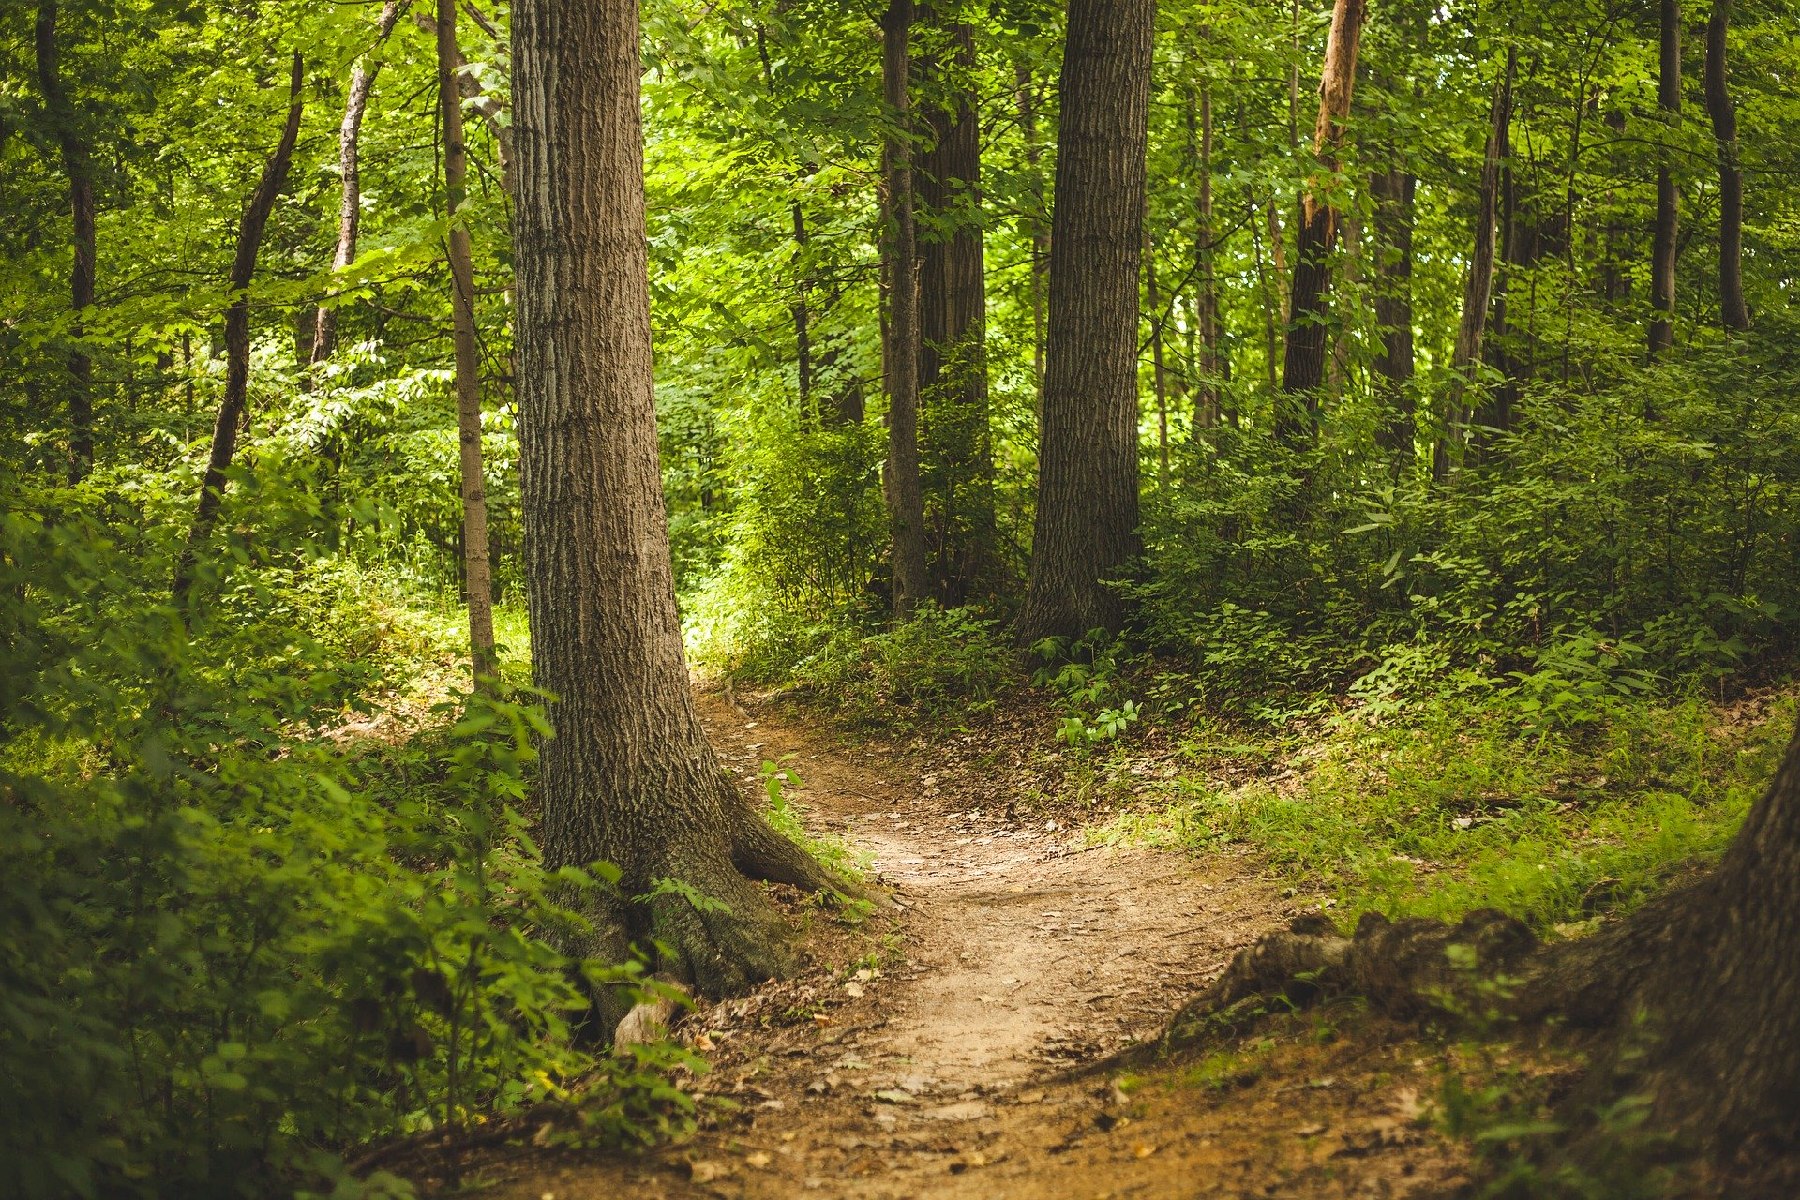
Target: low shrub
x,y
938,662
233,949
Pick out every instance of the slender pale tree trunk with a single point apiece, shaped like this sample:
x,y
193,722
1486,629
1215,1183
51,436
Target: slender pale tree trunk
x,y
1303,370
629,777
362,84
1158,376
1478,286
458,251
1206,367
1266,290
78,169
1036,231
1087,514
1734,314
798,310
904,493
237,340
1665,244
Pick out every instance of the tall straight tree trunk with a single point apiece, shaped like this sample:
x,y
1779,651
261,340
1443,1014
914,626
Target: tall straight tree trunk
x,y
477,576
1393,191
1303,369
1206,312
1087,514
362,83
1266,289
78,169
953,383
1158,370
799,309
629,777
1035,229
903,490
1478,286
1664,244
1734,314
237,340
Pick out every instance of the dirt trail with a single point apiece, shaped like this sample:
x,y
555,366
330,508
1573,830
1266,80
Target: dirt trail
x,y
1016,953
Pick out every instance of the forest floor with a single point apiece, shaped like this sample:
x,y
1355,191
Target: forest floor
x,y
960,1042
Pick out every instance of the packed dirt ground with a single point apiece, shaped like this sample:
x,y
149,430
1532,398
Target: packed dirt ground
x,y
960,1042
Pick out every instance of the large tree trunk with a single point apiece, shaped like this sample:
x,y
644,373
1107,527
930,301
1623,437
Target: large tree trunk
x,y
477,578
237,340
1664,244
1303,369
953,380
1478,286
1734,314
629,777
1393,191
76,166
901,485
362,83
1087,514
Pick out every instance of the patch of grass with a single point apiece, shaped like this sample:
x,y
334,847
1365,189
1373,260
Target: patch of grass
x,y
782,816
1453,806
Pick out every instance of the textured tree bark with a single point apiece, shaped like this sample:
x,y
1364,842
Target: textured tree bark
x,y
1087,514
362,83
629,777
477,576
1734,314
237,340
901,485
77,167
953,380
1664,244
1478,286
1393,191
1303,368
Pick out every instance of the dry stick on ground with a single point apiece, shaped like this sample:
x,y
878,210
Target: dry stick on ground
x,y
237,341
81,233
477,580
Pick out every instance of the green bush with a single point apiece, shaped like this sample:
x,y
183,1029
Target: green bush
x,y
938,662
233,949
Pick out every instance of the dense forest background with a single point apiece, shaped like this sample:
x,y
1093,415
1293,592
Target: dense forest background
x,y
1465,467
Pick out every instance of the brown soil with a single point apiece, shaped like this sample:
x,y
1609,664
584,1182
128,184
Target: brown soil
x,y
958,1044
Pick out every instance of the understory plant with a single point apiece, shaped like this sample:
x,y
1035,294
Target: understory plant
x,y
236,949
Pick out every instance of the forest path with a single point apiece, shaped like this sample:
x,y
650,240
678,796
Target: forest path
x,y
1014,954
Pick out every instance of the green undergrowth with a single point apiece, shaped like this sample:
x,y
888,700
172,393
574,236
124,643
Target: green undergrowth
x,y
1455,804
852,866
243,937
